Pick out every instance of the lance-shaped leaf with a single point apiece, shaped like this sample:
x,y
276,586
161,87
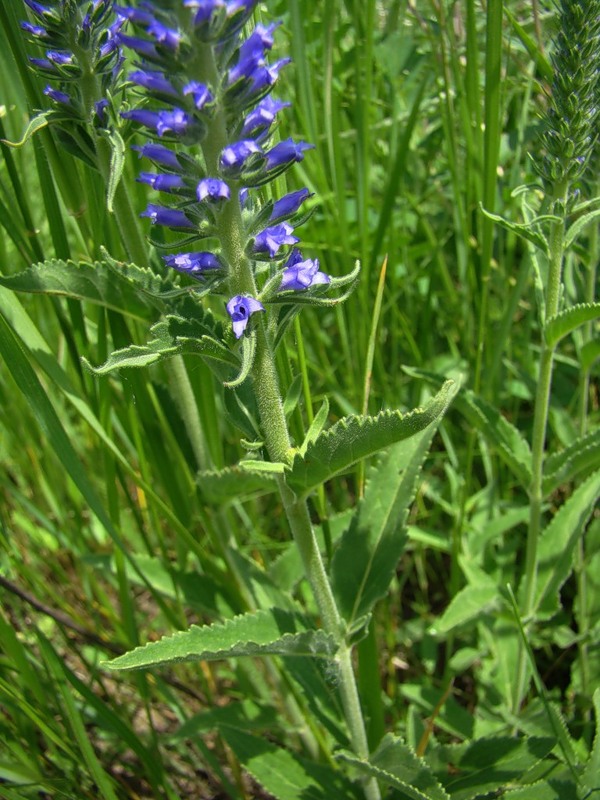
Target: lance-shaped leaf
x,y
98,283
268,632
524,230
356,437
395,764
173,336
366,559
567,321
558,541
233,483
592,768
581,455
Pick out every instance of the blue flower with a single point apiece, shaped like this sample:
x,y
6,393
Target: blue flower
x,y
57,96
161,182
212,189
153,81
240,309
194,263
236,156
159,154
286,153
289,204
201,94
171,217
271,239
299,274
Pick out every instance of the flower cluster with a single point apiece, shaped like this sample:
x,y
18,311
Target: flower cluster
x,y
210,117
570,131
81,59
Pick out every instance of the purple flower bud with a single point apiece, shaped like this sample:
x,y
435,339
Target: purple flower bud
x,y
299,274
234,157
289,204
271,239
141,46
204,9
59,57
171,217
165,36
200,93
245,68
100,107
194,263
266,75
243,197
286,152
134,15
260,40
42,63
239,309
38,9
261,117
150,119
213,189
176,121
57,96
154,81
159,154
161,182
35,30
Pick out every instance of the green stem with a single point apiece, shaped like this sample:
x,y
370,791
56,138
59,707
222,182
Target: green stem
x,y
538,443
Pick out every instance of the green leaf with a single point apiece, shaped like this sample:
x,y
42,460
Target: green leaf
x,y
589,353
357,437
490,764
524,230
558,541
591,774
567,321
117,162
581,455
580,223
395,764
512,447
35,124
248,353
365,561
265,467
316,426
469,604
233,483
174,336
283,774
545,790
272,632
98,283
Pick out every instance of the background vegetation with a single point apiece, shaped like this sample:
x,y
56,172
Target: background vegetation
x,y
422,113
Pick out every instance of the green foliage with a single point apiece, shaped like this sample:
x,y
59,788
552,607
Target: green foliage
x,y
274,632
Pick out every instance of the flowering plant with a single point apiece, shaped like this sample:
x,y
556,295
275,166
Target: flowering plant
x,y
177,247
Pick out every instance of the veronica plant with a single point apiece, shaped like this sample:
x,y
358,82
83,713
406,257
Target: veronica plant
x,y
203,92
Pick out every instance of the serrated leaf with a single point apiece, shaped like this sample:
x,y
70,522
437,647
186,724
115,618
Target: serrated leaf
x,y
283,774
173,336
567,321
365,562
356,437
580,455
269,632
524,230
396,764
98,283
233,483
557,543
545,790
265,467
